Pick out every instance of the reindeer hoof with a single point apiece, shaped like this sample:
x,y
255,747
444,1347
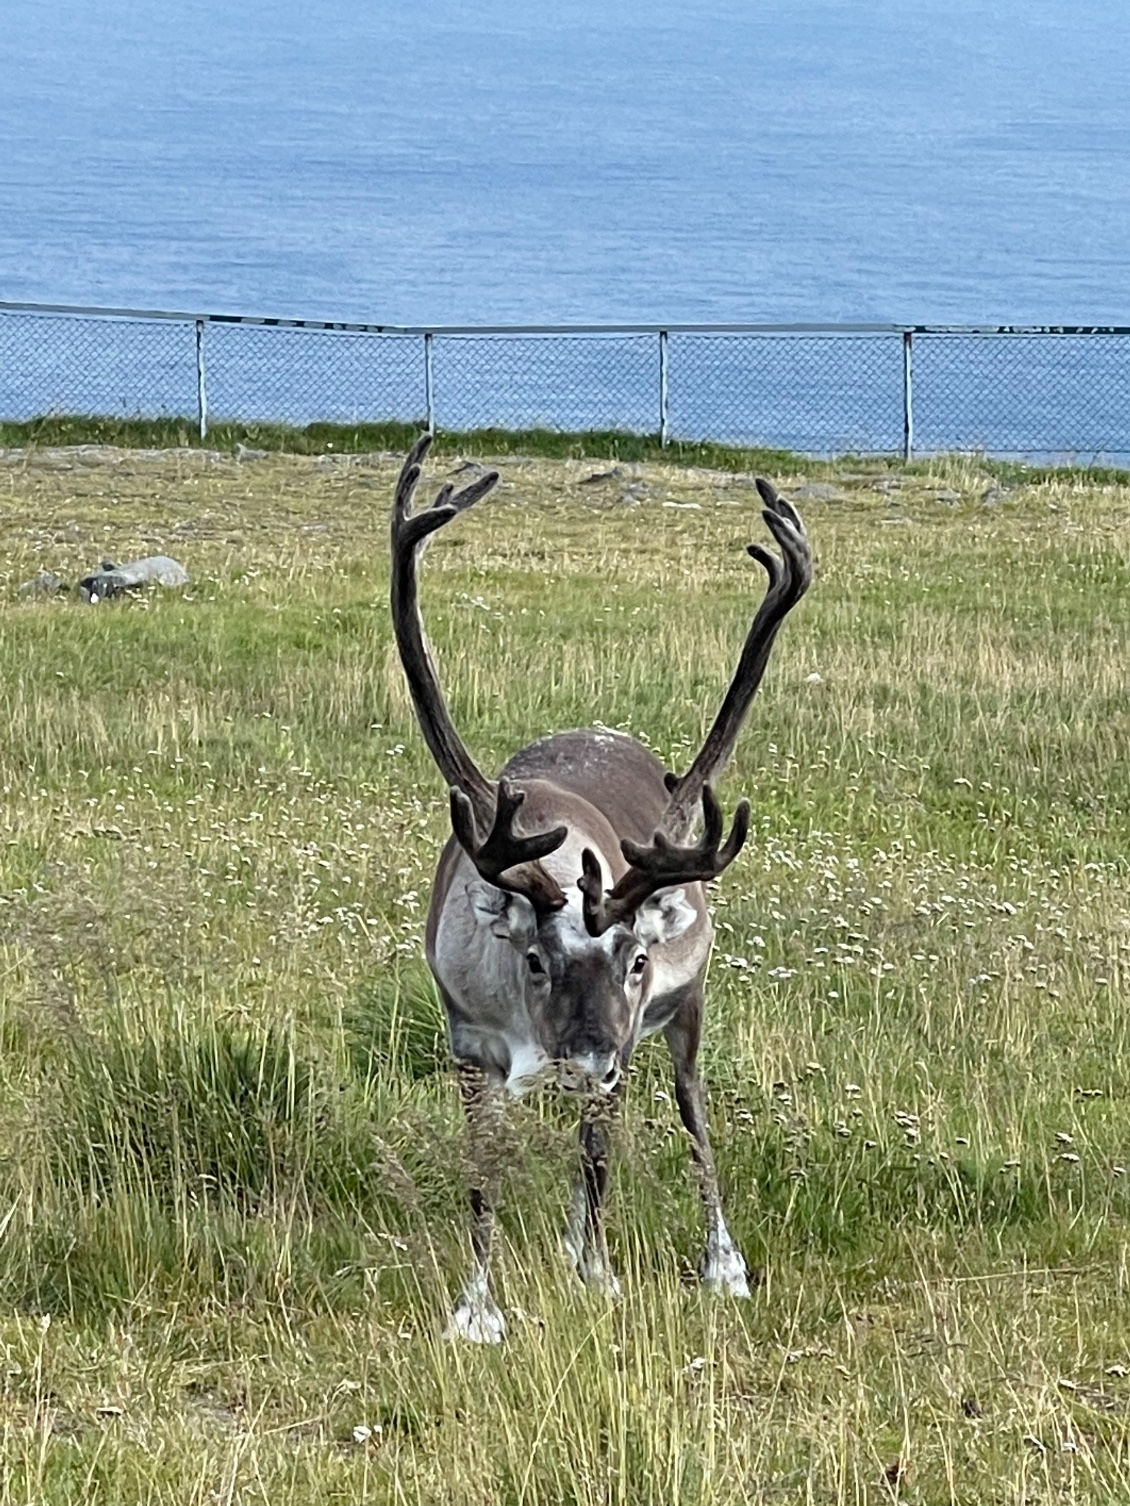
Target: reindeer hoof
x,y
598,1278
477,1322
595,1272
724,1271
590,1265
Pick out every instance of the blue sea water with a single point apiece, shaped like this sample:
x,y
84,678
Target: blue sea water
x,y
462,161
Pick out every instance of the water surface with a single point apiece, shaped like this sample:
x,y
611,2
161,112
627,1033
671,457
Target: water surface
x,y
499,161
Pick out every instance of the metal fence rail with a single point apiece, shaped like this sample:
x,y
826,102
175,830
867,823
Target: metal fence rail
x,y
1058,392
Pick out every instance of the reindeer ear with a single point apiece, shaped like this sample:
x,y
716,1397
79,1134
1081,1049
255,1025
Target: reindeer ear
x,y
663,916
510,917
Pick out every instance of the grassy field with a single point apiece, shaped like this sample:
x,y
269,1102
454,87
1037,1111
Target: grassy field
x,y
231,1159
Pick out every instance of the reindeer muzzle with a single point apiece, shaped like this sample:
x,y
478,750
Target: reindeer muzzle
x,y
591,1074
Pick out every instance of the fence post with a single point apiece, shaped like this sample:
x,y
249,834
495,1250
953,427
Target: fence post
x,y
663,387
201,390
907,395
429,384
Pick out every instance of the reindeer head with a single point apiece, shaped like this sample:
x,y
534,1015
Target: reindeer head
x,y
583,963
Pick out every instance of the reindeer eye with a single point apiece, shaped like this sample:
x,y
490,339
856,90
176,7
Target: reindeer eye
x,y
639,964
535,966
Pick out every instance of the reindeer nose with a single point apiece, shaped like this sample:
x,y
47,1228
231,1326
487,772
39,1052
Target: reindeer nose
x,y
592,1073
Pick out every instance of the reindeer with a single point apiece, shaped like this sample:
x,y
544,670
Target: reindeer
x,y
568,919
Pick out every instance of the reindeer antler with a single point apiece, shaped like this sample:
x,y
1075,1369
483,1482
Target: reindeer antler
x,y
505,859
789,578
661,866
409,531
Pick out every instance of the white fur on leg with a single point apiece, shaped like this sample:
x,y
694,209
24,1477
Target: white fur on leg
x,y
723,1270
574,1237
590,1264
477,1317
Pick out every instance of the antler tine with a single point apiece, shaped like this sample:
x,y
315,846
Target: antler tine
x,y
409,476
778,504
410,529
662,865
784,523
472,492
771,563
739,831
448,500
505,859
504,848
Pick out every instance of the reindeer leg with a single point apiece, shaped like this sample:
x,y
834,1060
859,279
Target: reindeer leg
x,y
723,1268
584,1239
477,1316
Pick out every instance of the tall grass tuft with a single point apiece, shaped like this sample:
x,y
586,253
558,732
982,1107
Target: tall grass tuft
x,y
191,1110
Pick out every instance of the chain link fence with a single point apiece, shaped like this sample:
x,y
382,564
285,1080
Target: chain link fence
x,y
1049,393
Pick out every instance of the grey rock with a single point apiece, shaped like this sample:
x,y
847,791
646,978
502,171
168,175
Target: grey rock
x,y
46,583
946,495
113,580
633,495
244,452
817,491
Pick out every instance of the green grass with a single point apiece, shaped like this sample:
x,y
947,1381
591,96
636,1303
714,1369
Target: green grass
x,y
231,1155
351,439
59,429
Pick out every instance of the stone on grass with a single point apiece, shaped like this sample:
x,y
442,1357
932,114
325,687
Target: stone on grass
x,y
46,583
817,491
113,580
